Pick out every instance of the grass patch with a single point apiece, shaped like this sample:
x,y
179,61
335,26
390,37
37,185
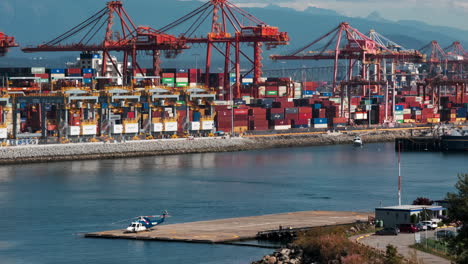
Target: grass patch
x,y
434,247
332,245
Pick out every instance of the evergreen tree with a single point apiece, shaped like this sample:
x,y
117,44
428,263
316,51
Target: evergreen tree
x,y
391,255
458,212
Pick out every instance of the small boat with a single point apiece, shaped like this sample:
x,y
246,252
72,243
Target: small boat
x,y
357,141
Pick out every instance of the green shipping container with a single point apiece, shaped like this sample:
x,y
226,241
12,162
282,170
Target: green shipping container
x,y
398,112
399,121
272,93
167,80
184,84
180,102
168,84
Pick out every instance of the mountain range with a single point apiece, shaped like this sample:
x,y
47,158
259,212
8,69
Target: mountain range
x,y
35,22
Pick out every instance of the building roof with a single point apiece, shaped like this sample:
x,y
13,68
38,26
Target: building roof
x,y
411,207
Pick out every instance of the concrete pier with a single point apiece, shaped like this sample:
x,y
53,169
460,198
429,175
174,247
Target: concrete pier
x,y
235,229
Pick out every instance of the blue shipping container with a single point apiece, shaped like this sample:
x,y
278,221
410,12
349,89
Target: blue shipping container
x,y
196,116
326,94
398,108
87,81
305,92
96,56
300,126
104,105
57,71
320,120
461,112
317,106
88,70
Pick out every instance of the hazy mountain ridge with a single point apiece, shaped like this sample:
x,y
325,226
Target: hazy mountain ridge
x,y
34,23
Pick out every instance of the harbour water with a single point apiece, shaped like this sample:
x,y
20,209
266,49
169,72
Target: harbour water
x,y
45,208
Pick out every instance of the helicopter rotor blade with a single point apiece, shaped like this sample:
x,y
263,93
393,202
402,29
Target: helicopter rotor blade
x,y
125,220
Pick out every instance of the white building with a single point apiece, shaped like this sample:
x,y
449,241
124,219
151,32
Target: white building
x,y
94,61
393,216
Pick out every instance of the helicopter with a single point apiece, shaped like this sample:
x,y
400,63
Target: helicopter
x,y
145,223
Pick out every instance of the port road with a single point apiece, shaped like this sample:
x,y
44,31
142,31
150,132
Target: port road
x,y
402,242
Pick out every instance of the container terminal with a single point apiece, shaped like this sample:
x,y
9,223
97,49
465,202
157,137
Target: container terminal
x,y
100,95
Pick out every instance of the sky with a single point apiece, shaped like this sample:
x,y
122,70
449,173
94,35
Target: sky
x,y
452,13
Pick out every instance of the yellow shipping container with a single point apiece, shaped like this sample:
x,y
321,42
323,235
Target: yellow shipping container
x,y
240,129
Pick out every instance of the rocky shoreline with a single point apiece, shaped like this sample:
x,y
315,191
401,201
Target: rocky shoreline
x,y
106,150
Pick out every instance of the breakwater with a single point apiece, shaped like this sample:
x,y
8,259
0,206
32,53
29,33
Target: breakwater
x,y
106,150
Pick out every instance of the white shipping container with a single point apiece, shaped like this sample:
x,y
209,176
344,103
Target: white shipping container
x,y
131,128
182,80
207,125
320,125
38,70
282,90
284,127
407,111
157,127
418,112
170,126
3,133
430,106
117,129
88,130
57,76
419,99
194,126
74,130
261,90
399,117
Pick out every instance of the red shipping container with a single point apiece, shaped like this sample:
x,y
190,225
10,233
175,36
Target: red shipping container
x,y
241,123
87,75
42,76
304,116
182,75
301,121
74,71
271,88
305,110
257,111
279,122
277,110
241,111
223,113
291,116
168,75
240,117
339,120
407,116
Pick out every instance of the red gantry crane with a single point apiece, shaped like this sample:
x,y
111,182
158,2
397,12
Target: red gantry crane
x,y
358,47
229,25
6,42
437,56
457,59
127,38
